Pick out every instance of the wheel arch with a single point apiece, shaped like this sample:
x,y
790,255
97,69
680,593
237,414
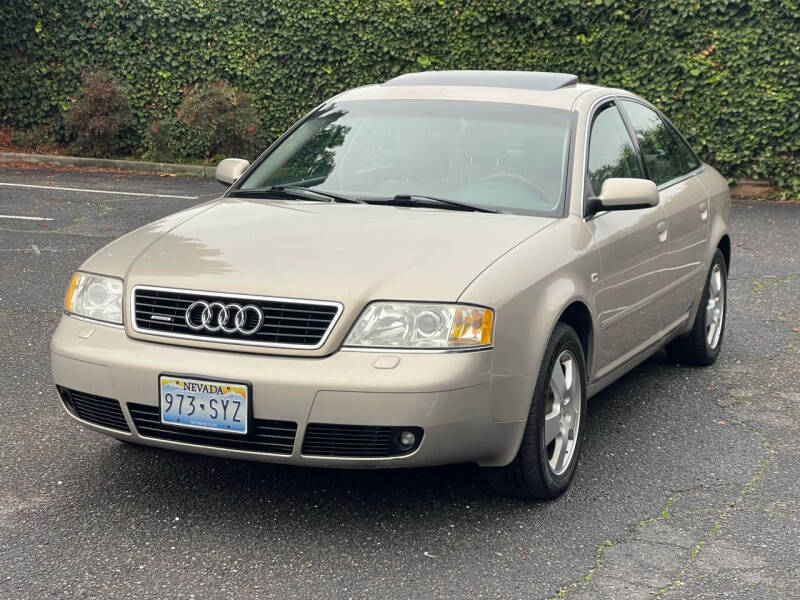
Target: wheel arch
x,y
512,394
578,316
724,245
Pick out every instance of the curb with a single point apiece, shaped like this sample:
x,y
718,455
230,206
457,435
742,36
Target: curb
x,y
752,188
107,163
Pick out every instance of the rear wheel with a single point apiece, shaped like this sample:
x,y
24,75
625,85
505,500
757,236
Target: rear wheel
x,y
551,444
702,344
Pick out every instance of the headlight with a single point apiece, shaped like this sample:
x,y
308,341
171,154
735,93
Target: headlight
x,y
422,326
95,296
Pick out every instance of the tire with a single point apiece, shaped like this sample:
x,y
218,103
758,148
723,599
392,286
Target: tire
x,y
700,347
543,469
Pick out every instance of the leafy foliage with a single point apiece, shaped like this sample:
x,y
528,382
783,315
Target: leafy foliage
x,y
726,72
40,140
219,120
161,140
99,119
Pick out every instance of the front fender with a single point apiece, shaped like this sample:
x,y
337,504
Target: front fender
x,y
529,288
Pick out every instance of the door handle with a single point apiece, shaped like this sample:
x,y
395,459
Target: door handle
x,y
703,211
661,228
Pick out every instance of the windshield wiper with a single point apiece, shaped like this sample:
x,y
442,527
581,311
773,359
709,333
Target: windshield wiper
x,y
305,192
299,193
417,199
302,193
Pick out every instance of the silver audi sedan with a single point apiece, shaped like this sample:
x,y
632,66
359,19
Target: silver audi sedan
x,y
441,268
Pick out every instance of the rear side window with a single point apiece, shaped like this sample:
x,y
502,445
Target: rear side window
x,y
688,156
611,152
663,158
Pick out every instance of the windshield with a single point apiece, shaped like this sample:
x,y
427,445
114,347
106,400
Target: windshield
x,y
504,156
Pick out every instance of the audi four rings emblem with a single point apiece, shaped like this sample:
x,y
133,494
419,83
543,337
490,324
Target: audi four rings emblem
x,y
216,316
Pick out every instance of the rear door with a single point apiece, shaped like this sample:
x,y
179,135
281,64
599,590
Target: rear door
x,y
670,163
634,251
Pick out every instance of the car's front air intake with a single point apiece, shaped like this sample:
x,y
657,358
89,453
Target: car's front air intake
x,y
274,437
360,441
249,320
94,409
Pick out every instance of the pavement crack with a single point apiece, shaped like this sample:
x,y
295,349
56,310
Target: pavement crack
x,y
587,579
674,549
724,513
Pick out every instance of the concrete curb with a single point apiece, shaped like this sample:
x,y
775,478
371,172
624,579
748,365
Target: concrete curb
x,y
106,163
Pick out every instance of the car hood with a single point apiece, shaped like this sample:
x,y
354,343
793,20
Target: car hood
x,y
316,251
319,251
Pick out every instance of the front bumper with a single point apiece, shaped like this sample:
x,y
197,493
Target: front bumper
x,y
448,395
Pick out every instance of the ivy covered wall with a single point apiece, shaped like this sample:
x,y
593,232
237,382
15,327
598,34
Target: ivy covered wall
x,y
727,72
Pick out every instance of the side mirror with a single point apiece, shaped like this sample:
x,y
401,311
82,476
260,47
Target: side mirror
x,y
624,193
230,169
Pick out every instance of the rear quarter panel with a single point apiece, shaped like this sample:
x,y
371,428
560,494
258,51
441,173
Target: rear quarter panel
x,y
719,204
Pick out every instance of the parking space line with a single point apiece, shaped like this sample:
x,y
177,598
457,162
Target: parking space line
x,y
23,218
66,189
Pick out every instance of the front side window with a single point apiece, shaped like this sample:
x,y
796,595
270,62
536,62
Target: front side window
x,y
660,150
611,152
504,156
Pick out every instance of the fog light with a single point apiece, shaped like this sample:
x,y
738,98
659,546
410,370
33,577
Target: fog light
x,y
407,439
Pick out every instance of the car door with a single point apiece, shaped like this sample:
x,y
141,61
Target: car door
x,y
634,251
670,163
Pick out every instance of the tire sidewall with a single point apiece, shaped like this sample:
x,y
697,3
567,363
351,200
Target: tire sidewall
x,y
564,338
718,259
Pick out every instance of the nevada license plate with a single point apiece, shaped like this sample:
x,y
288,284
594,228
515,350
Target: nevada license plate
x,y
204,404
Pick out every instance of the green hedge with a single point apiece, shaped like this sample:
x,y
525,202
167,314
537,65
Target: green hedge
x,y
725,71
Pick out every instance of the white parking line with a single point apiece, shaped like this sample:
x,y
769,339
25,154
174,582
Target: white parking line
x,y
66,189
36,250
25,218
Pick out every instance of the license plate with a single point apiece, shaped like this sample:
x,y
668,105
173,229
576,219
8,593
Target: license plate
x,y
204,404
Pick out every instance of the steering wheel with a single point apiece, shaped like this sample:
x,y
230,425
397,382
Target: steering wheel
x,y
519,179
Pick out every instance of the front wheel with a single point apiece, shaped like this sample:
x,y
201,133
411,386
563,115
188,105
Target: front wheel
x,y
701,345
546,459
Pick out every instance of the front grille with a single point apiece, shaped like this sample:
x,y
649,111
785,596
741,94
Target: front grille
x,y
285,322
95,409
357,441
275,437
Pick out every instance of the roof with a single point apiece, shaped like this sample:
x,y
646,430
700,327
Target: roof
x,y
552,90
523,80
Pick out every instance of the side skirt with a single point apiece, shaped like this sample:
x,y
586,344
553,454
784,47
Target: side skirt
x,y
638,355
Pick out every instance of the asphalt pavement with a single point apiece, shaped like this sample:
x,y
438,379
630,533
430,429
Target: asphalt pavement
x,y
688,486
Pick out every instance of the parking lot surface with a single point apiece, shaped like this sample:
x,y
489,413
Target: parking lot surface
x,y
688,487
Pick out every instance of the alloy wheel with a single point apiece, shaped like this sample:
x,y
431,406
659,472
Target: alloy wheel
x,y
562,412
715,307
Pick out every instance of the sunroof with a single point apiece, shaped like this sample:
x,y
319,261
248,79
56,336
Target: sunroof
x,y
525,80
